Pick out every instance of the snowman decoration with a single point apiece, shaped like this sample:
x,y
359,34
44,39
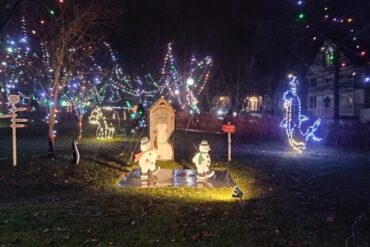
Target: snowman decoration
x,y
161,144
14,98
202,161
147,158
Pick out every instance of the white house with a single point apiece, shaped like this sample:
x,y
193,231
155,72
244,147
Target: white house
x,y
320,85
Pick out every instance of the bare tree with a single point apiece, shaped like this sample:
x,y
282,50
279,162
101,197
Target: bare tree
x,y
68,41
237,74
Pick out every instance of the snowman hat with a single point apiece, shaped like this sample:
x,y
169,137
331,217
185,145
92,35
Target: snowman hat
x,y
204,143
144,140
14,91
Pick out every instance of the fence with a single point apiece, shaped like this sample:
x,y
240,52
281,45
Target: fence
x,y
346,133
343,133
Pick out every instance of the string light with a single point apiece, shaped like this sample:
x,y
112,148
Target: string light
x,y
293,119
104,130
301,16
343,20
185,88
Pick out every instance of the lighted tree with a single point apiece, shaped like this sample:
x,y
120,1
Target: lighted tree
x,y
61,42
184,84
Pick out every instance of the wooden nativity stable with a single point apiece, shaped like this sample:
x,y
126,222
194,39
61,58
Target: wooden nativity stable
x,y
161,128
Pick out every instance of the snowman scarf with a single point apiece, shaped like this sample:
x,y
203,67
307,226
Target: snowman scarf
x,y
201,158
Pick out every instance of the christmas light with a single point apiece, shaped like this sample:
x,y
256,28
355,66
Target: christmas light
x,y
184,87
293,119
301,16
104,130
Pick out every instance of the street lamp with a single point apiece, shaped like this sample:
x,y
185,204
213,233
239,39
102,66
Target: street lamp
x,y
190,81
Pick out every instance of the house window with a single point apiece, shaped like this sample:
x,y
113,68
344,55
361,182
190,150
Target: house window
x,y
313,102
313,82
253,104
327,102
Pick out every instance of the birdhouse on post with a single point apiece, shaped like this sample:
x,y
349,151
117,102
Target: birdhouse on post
x,y
161,128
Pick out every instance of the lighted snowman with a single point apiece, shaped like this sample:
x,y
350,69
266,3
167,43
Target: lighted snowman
x,y
147,158
202,161
162,146
14,98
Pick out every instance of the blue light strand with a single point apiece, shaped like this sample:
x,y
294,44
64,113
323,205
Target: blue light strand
x,y
294,118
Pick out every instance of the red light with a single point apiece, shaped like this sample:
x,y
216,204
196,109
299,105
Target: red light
x,y
363,53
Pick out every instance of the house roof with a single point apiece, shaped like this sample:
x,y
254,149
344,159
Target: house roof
x,y
162,100
353,60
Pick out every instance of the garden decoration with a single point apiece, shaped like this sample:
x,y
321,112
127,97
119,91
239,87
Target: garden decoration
x,y
75,151
294,118
14,99
162,126
147,158
228,128
105,129
202,161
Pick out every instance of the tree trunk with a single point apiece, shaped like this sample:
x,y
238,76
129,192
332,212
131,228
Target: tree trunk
x,y
336,82
80,127
51,136
55,97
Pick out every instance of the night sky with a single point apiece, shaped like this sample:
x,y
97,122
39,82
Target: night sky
x,y
217,28
233,32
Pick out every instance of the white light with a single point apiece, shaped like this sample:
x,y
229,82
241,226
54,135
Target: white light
x,y
219,112
177,92
190,81
292,122
367,79
234,114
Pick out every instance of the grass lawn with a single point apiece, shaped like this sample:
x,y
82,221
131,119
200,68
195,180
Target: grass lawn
x,y
290,200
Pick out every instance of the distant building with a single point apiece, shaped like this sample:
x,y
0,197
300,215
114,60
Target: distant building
x,y
353,88
221,104
257,104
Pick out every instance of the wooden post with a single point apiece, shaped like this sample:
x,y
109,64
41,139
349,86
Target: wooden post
x,y
13,99
14,132
229,129
229,145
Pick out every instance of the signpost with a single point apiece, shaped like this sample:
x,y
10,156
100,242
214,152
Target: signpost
x,y
14,99
228,128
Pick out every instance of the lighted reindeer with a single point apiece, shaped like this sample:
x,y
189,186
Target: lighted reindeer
x,y
105,128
